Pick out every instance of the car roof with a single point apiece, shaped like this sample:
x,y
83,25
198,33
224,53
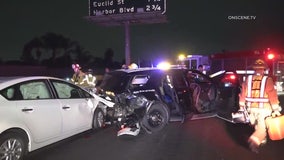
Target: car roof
x,y
151,69
6,81
136,70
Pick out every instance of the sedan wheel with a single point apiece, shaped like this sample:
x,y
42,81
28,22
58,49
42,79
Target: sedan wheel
x,y
98,119
12,147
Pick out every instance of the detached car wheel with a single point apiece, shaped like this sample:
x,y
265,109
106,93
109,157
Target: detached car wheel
x,y
12,146
156,118
98,119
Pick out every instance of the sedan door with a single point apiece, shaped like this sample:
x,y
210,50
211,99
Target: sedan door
x,y
39,111
76,108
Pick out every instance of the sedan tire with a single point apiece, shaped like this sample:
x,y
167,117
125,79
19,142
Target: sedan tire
x,y
12,146
98,119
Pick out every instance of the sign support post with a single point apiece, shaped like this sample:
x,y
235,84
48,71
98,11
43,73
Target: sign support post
x,y
126,12
127,43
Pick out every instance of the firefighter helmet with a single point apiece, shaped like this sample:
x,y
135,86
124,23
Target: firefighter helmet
x,y
76,66
259,64
133,66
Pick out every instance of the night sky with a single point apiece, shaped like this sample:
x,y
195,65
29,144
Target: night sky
x,y
194,27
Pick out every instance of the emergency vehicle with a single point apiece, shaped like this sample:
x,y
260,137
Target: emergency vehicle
x,y
240,62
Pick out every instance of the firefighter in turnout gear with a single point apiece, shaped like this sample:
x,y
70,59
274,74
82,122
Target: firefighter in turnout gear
x,y
78,75
260,99
89,80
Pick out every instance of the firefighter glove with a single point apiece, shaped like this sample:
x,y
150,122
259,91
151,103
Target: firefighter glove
x,y
276,108
275,113
242,108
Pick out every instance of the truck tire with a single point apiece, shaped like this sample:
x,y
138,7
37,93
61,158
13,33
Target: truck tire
x,y
156,117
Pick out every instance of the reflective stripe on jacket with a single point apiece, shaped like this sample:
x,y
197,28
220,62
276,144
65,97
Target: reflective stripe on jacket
x,y
258,92
89,80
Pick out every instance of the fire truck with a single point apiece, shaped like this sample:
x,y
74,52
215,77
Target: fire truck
x,y
240,62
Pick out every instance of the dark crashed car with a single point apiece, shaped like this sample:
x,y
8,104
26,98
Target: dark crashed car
x,y
183,91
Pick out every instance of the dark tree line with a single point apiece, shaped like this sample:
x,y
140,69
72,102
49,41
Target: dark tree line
x,y
55,50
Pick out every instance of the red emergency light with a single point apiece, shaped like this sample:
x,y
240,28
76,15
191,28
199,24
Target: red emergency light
x,y
270,56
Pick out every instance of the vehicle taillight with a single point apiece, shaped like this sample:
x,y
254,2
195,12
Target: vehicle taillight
x,y
229,79
232,77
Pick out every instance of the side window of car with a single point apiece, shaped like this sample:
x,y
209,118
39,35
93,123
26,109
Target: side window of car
x,y
201,78
8,93
34,90
66,90
63,90
179,81
166,87
139,80
87,95
191,77
196,78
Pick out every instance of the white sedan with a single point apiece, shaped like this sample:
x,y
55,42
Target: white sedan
x,y
38,111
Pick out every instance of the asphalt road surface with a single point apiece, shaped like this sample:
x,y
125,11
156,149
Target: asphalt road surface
x,y
205,138
202,139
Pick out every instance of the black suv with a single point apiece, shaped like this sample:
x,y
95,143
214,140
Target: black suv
x,y
182,90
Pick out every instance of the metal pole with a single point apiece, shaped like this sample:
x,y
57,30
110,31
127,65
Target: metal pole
x,y
127,44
